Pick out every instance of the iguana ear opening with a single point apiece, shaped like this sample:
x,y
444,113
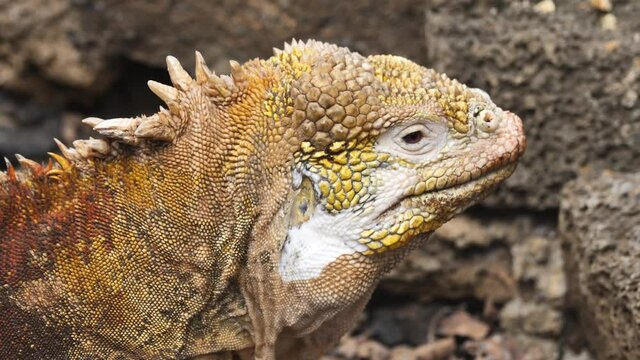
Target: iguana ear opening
x,y
304,203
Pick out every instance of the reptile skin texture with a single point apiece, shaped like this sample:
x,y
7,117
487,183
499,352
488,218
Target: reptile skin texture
x,y
250,218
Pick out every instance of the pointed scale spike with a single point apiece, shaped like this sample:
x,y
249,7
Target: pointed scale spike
x,y
54,173
11,171
28,164
179,77
202,71
237,71
228,81
276,51
156,128
49,166
119,128
61,160
217,81
92,121
220,86
91,148
99,145
166,93
67,152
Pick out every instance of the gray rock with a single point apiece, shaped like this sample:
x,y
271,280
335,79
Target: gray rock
x,y
519,316
482,258
600,228
537,260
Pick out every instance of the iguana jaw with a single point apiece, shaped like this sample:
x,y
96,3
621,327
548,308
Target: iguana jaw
x,y
466,171
463,192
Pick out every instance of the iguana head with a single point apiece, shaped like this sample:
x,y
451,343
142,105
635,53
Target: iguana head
x,y
388,151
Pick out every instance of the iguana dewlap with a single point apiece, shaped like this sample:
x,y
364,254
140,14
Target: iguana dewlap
x,y
251,218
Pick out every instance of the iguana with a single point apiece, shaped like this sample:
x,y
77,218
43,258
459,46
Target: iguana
x,y
251,218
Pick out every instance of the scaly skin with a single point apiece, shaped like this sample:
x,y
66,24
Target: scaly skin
x,y
252,218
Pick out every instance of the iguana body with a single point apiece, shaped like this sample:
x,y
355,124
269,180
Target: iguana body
x,y
252,218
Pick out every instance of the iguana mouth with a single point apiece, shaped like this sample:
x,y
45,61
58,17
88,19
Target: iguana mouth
x,y
489,179
458,190
498,173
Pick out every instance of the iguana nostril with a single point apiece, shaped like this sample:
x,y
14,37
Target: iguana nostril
x,y
487,121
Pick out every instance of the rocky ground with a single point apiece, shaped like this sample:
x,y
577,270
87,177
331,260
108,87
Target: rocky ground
x,y
535,272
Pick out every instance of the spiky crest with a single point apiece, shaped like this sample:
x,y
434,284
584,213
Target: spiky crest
x,y
160,127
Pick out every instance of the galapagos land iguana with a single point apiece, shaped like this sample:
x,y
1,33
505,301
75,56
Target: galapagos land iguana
x,y
251,218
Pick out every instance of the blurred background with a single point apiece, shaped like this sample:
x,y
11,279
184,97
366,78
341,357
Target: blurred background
x,y
548,268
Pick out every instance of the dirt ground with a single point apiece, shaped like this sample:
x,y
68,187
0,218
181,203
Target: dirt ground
x,y
499,282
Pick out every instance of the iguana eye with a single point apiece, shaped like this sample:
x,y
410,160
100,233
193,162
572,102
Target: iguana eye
x,y
416,140
413,138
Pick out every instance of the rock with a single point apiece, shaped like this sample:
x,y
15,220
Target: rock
x,y
73,42
438,350
609,22
602,5
465,232
545,7
520,347
519,316
358,347
600,228
537,260
47,36
372,350
348,347
438,271
401,324
471,257
582,355
402,352
494,348
532,348
461,324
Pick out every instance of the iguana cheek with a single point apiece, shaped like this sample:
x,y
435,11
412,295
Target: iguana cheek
x,y
342,173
